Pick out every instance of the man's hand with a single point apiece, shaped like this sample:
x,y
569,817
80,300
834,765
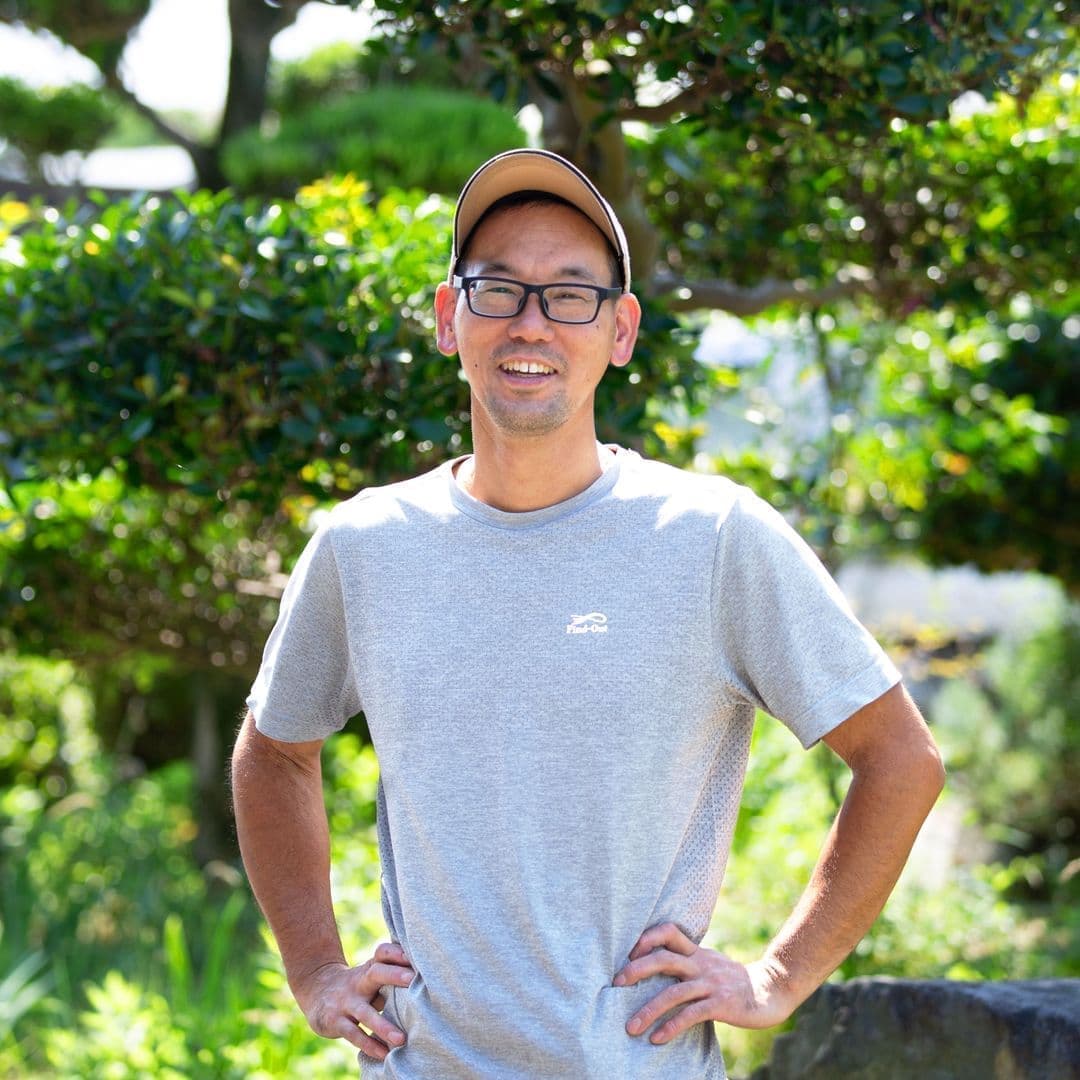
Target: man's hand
x,y
711,986
340,1002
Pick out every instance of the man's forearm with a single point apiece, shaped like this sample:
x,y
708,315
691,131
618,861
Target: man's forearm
x,y
285,844
891,792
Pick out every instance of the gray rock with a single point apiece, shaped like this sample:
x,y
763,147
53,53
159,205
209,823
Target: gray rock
x,y
900,1029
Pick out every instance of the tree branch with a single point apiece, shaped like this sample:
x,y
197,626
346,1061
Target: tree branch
x,y
743,301
116,85
686,101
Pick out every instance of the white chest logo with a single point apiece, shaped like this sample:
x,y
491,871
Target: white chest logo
x,y
593,623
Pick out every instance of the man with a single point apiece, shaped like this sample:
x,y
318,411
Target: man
x,y
559,648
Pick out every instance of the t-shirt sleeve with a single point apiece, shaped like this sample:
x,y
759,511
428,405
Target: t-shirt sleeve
x,y
785,638
305,688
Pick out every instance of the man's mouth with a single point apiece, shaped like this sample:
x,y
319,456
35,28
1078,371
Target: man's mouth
x,y
526,367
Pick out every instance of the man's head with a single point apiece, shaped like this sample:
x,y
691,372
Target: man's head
x,y
520,177
537,304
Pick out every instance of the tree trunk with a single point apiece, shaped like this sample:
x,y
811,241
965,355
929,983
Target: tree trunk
x,y
208,759
571,128
252,25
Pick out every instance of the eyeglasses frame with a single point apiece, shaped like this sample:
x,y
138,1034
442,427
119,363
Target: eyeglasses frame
x,y
602,293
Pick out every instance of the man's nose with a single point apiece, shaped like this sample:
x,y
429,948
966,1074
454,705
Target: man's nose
x,y
531,322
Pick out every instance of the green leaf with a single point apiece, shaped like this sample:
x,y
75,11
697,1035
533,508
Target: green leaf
x,y
177,296
255,307
354,427
912,104
298,430
138,427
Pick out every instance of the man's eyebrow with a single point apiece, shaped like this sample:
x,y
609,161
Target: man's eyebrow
x,y
569,272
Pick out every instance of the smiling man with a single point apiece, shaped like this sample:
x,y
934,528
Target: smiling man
x,y
560,648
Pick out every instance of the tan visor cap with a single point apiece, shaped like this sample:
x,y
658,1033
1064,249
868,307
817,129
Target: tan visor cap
x,y
536,170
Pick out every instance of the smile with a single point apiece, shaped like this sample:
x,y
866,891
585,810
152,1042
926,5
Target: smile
x,y
526,367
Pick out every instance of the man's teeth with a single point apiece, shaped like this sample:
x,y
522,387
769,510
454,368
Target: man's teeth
x,y
527,367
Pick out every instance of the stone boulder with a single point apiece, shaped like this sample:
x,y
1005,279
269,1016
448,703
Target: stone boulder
x,y
900,1029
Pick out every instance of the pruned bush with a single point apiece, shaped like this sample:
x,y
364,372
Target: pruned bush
x,y
36,122
393,136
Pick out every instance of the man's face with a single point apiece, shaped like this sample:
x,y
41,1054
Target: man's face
x,y
530,376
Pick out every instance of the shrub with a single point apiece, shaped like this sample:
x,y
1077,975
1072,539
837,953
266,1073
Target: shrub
x,y
54,121
1010,726
392,136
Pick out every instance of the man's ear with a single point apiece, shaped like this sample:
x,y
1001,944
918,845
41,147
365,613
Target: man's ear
x,y
627,321
445,308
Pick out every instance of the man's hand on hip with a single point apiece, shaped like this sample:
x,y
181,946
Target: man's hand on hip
x,y
340,1002
710,986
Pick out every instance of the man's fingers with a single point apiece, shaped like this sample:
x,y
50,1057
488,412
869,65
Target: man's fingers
x,y
370,1046
352,1002
663,935
658,962
664,1002
694,1013
390,952
370,1023
349,1031
346,1028
375,976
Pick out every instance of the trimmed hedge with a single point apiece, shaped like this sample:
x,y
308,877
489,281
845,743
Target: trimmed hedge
x,y
395,136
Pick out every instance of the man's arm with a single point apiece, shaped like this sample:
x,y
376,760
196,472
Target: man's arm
x,y
285,843
897,776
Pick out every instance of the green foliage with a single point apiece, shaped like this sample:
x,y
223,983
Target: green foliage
x,y
985,449
958,444
391,136
328,72
290,349
351,775
958,213
121,959
97,28
1010,726
132,129
277,339
93,571
343,69
44,738
782,66
952,414
38,122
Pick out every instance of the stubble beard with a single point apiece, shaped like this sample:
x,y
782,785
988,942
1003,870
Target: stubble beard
x,y
526,420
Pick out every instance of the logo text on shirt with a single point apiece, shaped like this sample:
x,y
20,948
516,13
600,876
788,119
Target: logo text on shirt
x,y
593,623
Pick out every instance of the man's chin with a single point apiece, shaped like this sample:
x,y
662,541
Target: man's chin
x,y
528,421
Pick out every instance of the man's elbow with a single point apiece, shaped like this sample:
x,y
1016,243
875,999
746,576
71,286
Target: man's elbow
x,y
935,769
923,772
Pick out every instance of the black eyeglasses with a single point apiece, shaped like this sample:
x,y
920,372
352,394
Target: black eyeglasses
x,y
563,301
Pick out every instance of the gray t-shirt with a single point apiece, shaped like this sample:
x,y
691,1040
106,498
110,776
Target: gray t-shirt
x,y
561,702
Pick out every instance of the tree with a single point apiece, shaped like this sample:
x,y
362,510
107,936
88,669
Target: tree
x,y
36,123
769,86
951,386
100,30
772,86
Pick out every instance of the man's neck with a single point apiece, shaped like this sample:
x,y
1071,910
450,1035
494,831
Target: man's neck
x,y
530,473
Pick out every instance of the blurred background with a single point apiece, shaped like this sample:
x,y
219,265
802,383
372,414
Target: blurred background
x,y
854,230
